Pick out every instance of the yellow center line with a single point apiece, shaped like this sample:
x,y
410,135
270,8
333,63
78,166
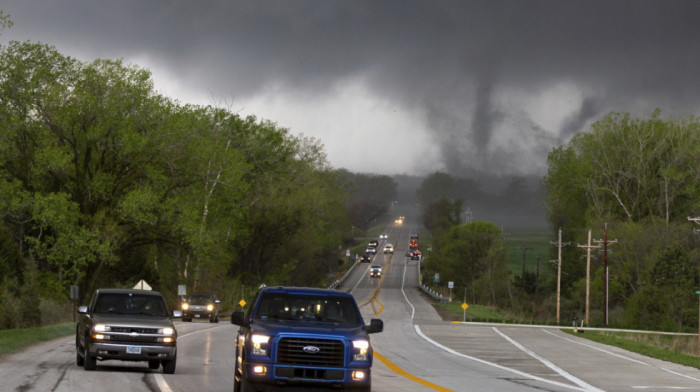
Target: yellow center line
x,y
408,375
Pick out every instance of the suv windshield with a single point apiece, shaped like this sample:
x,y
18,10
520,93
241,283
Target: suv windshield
x,y
283,306
201,299
129,303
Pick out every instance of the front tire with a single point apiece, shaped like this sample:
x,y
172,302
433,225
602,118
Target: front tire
x,y
243,385
169,365
89,363
79,360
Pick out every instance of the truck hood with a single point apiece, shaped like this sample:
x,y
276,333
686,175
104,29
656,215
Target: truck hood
x,y
318,329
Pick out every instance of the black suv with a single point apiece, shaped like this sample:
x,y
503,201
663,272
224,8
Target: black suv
x,y
127,325
303,338
201,306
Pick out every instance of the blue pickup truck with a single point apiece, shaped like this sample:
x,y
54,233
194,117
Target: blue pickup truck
x,y
294,338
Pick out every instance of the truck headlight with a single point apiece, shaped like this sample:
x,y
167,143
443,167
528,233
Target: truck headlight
x,y
361,347
100,328
210,308
185,306
260,344
166,331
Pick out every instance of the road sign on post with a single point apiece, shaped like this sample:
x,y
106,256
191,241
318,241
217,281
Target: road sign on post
x,y
74,297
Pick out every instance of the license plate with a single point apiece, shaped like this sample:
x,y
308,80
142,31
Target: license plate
x,y
133,349
196,316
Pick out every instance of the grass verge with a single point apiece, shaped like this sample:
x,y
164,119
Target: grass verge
x,y
453,312
14,339
671,348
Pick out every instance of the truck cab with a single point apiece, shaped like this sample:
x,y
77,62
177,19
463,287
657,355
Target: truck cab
x,y
303,337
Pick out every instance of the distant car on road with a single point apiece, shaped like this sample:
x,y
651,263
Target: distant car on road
x,y
375,271
373,243
389,248
383,236
371,249
365,259
201,306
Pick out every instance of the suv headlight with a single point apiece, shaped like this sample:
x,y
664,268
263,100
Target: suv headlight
x,y
185,306
259,344
361,347
210,307
100,328
166,331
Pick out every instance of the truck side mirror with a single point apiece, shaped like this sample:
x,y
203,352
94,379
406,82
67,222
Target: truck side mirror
x,y
375,326
177,313
238,318
82,309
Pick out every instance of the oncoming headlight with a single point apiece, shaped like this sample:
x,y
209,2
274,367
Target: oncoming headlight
x,y
210,307
260,344
361,347
185,306
100,328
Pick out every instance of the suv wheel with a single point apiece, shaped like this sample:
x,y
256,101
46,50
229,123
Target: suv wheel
x,y
242,385
79,360
169,366
89,363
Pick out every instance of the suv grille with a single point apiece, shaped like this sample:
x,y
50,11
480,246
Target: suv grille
x,y
331,353
133,329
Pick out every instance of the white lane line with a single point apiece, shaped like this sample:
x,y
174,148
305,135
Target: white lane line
x,y
518,372
163,385
624,357
403,280
361,278
549,364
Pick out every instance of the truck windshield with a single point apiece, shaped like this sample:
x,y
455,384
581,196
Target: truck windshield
x,y
128,303
284,306
199,299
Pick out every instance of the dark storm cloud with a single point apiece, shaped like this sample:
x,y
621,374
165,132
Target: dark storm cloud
x,y
453,61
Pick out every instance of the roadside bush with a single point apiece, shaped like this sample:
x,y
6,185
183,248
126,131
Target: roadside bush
x,y
10,306
55,312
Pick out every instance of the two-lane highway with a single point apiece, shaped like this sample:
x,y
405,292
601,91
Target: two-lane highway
x,y
416,352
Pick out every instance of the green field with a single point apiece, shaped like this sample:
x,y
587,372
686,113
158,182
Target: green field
x,y
539,245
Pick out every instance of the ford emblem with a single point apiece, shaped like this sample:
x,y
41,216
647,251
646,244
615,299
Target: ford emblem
x,y
311,349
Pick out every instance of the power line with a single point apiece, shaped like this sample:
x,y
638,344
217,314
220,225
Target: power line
x,y
559,244
605,243
588,248
524,248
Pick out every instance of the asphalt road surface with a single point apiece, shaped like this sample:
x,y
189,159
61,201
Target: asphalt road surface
x,y
416,352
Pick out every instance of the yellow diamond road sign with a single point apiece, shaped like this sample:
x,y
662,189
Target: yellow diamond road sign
x,y
464,305
242,303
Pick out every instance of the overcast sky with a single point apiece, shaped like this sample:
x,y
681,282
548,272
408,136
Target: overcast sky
x,y
403,86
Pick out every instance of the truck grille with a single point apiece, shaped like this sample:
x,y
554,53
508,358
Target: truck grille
x,y
134,339
331,353
134,329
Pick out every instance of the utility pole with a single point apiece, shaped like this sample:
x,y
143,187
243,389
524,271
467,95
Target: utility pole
x,y
524,248
559,245
588,248
537,277
605,243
